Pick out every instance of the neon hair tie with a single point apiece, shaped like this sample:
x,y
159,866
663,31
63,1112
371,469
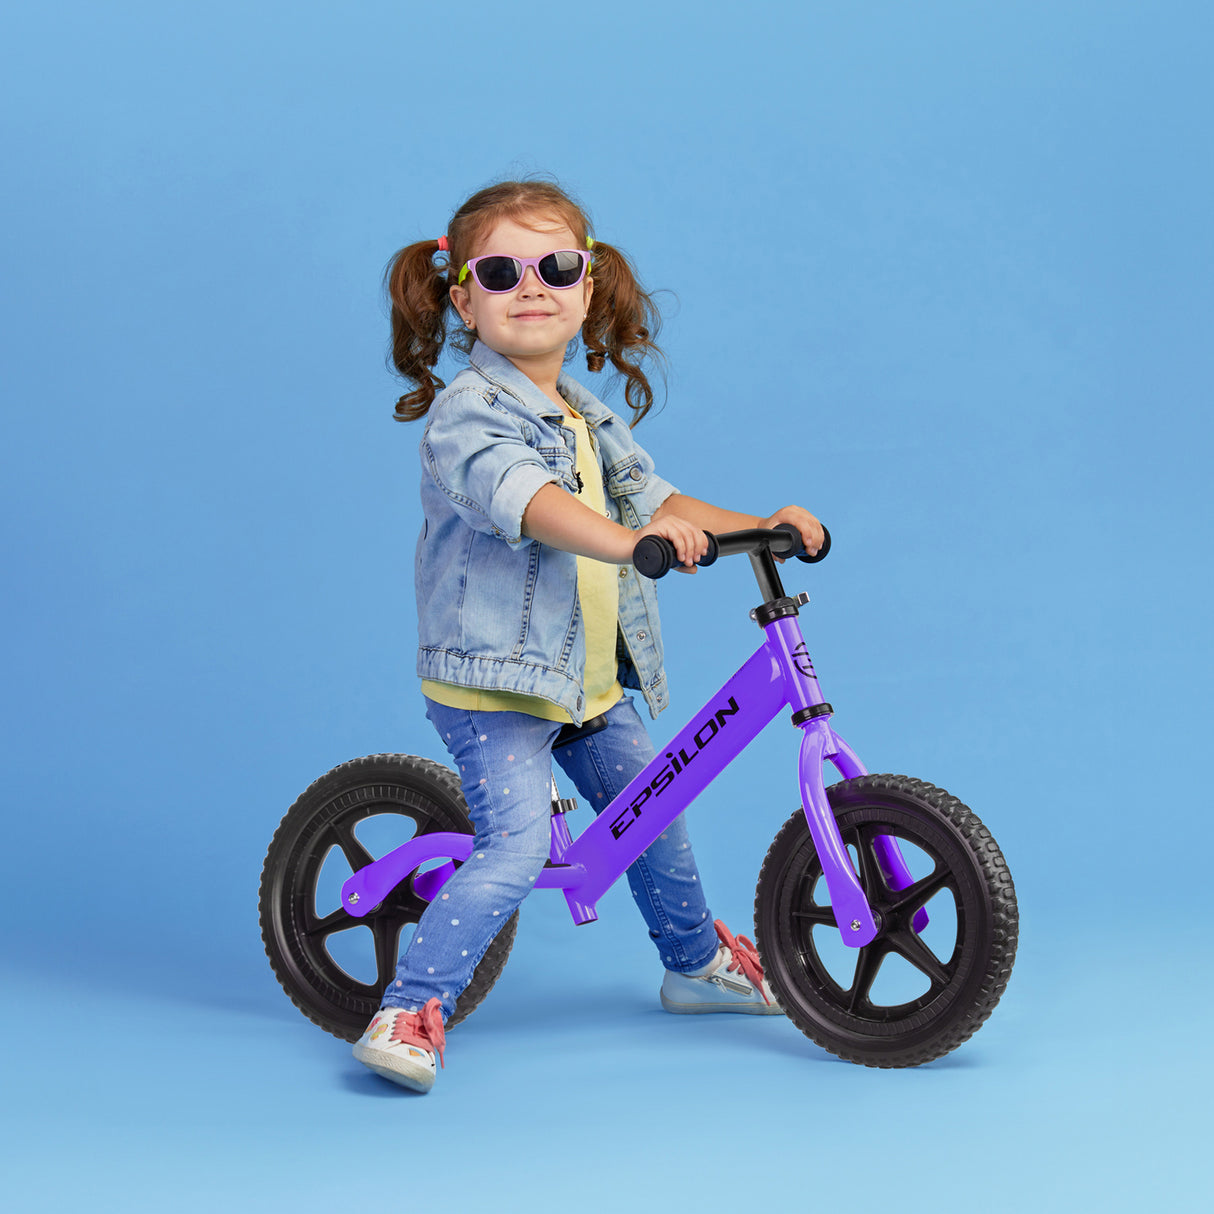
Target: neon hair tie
x,y
589,242
442,243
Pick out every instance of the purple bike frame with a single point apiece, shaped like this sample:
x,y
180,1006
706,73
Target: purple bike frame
x,y
779,674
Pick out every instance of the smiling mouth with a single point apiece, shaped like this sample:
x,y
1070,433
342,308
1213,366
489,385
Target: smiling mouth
x,y
533,315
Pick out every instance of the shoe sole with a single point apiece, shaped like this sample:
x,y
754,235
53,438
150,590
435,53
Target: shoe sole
x,y
697,1009
397,1070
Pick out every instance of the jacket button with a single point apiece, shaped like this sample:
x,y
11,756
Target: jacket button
x,y
636,474
623,571
641,636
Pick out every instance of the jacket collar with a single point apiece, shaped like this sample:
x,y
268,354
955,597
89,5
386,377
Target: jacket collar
x,y
498,369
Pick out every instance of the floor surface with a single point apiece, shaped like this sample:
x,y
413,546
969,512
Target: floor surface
x,y
1085,1090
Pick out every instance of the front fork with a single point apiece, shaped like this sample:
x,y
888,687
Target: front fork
x,y
857,924
853,915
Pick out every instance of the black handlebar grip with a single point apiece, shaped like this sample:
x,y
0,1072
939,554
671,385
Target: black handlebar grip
x,y
653,556
798,548
796,544
820,555
821,552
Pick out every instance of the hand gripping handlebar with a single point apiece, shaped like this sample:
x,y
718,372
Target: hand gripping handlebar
x,y
655,557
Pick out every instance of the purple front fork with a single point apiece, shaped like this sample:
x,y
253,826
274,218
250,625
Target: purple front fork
x,y
819,744
777,675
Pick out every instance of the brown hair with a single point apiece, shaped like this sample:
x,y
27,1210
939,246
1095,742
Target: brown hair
x,y
621,324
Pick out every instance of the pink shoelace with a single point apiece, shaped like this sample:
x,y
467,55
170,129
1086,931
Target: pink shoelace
x,y
423,1029
745,957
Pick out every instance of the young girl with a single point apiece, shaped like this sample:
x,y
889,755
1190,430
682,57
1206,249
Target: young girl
x,y
531,616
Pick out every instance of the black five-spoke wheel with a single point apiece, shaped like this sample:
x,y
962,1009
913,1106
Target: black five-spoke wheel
x,y
333,966
946,944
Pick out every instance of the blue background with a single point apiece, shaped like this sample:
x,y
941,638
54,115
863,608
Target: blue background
x,y
940,271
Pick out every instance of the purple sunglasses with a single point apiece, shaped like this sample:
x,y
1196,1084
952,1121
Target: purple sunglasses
x,y
498,274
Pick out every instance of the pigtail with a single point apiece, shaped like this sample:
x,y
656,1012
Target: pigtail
x,y
417,293
621,326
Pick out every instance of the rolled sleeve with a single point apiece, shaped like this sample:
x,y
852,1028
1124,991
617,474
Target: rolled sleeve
x,y
478,456
521,483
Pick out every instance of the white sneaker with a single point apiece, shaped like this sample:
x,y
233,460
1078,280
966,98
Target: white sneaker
x,y
732,982
401,1045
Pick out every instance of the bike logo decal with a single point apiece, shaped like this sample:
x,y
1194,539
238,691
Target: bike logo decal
x,y
708,729
800,659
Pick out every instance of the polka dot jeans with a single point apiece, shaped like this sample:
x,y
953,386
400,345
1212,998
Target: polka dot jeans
x,y
504,760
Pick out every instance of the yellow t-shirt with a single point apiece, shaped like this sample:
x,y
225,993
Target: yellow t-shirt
x,y
598,596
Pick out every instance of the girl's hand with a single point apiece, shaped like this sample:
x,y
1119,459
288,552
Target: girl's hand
x,y
809,527
690,542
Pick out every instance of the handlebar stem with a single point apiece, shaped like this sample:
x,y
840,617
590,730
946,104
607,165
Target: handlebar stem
x,y
767,575
759,544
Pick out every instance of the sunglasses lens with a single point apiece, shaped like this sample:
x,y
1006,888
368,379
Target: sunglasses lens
x,y
561,269
498,273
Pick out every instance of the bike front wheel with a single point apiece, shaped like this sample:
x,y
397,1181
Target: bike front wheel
x,y
333,965
947,941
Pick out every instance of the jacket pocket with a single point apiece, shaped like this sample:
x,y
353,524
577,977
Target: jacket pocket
x,y
626,482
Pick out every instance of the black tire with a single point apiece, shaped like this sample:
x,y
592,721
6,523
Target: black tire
x,y
298,932
959,875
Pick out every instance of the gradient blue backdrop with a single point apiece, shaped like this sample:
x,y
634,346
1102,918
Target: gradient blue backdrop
x,y
939,271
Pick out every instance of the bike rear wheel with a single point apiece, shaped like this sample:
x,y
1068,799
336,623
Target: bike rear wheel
x,y
334,966
915,992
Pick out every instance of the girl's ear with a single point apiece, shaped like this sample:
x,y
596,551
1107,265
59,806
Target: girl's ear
x,y
589,292
460,299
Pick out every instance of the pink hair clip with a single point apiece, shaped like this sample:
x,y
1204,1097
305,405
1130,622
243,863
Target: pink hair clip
x,y
442,243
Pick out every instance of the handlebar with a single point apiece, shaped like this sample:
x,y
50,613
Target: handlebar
x,y
654,557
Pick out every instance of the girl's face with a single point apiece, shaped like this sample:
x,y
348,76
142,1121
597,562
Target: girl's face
x,y
534,322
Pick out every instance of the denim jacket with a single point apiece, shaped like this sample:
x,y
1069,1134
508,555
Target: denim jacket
x,y
496,610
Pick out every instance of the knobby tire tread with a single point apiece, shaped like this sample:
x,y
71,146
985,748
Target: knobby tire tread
x,y
433,780
996,880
